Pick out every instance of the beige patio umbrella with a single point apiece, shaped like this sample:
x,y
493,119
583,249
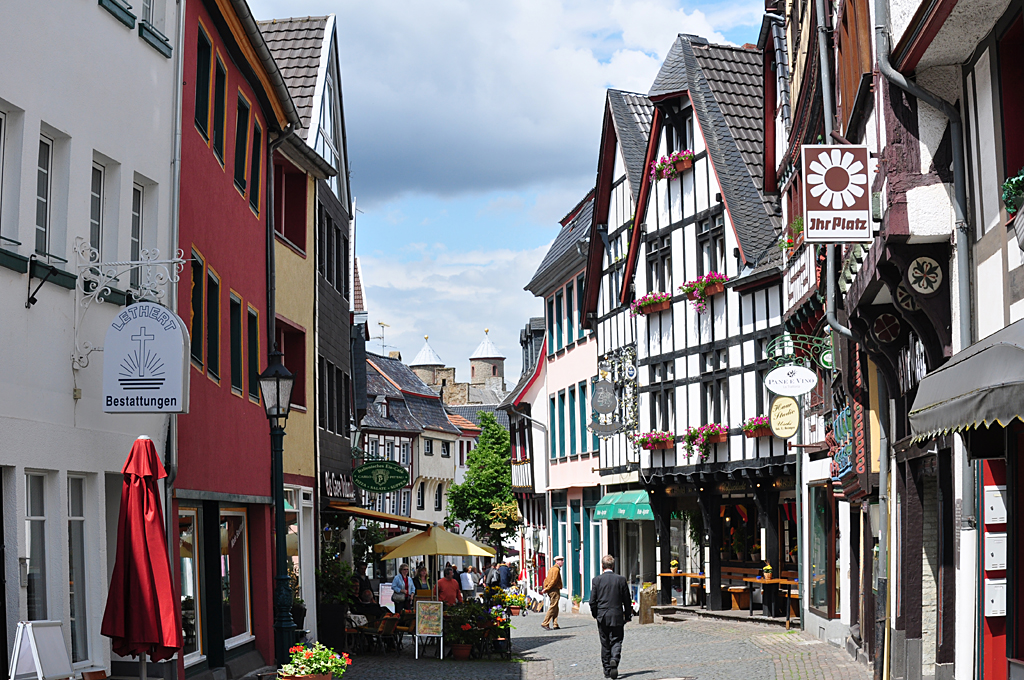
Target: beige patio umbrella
x,y
437,541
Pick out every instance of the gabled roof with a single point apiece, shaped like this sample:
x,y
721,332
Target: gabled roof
x,y
485,350
400,376
527,379
464,424
399,418
358,299
427,356
297,45
429,412
563,257
725,87
472,412
631,115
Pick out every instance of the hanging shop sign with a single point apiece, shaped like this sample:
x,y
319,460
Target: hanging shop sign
x,y
380,476
837,197
791,381
145,361
605,403
338,486
784,416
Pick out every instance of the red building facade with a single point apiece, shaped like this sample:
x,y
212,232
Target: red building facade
x,y
223,494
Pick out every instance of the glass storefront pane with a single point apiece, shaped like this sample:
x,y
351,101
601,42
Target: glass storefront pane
x,y
35,521
234,580
819,548
76,571
291,518
188,550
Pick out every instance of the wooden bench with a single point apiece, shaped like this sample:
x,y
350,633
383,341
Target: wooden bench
x,y
738,590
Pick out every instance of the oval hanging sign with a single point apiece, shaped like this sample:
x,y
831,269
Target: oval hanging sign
x,y
791,381
380,476
784,417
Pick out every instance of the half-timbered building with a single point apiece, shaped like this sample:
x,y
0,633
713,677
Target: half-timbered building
x,y
702,359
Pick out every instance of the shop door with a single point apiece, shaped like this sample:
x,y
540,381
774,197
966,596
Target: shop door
x,y
576,544
631,557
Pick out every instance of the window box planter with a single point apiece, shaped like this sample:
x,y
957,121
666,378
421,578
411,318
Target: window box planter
x,y
710,290
652,446
656,307
683,164
716,437
703,288
655,440
669,167
758,433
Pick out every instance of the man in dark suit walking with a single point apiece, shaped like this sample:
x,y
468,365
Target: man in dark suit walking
x,y
612,606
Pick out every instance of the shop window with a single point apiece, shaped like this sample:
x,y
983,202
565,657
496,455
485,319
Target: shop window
x,y
824,562
191,612
234,577
35,534
293,541
77,579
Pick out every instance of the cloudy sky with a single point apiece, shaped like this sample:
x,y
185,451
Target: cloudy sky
x,y
472,129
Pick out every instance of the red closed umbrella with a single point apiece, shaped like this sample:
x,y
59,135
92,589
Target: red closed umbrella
x,y
142,614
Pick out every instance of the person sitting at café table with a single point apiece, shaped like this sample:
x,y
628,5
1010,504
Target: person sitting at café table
x,y
449,589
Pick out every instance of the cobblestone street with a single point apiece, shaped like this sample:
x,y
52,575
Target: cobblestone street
x,y
705,649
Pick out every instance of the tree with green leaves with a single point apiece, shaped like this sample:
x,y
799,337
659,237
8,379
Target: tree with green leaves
x,y
484,500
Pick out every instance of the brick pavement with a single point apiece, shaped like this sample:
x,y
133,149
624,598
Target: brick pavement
x,y
704,649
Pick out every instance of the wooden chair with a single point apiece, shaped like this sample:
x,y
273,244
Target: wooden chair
x,y
385,632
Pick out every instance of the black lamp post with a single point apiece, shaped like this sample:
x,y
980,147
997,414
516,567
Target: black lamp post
x,y
276,387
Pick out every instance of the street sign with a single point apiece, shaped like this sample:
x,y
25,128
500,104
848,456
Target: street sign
x,y
791,381
145,361
837,194
784,417
380,476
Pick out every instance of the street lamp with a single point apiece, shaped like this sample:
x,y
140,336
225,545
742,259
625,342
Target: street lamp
x,y
276,387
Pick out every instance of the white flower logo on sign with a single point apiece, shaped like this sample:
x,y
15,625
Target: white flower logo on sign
x,y
837,179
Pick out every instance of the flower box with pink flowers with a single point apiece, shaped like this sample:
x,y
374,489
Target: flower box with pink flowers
x,y
703,288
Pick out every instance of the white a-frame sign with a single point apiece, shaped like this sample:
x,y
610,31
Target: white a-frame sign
x,y
40,652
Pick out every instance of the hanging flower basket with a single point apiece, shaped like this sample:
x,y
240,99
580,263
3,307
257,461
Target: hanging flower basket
x,y
700,290
650,303
669,167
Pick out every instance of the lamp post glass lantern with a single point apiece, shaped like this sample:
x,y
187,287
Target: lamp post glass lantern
x,y
276,387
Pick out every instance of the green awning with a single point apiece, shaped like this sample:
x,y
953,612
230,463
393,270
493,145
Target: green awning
x,y
624,505
605,508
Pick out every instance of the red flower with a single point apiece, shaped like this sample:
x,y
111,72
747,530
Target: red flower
x,y
348,661
296,648
309,654
466,626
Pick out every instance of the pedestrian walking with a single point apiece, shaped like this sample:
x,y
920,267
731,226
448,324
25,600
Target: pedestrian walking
x,y
505,574
553,589
612,606
468,589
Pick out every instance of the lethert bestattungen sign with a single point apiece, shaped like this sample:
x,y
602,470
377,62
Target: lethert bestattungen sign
x,y
145,361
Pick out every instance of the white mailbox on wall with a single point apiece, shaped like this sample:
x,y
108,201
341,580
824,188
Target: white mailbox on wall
x,y
995,505
995,551
995,597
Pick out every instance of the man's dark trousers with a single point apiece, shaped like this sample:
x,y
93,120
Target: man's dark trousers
x,y
611,645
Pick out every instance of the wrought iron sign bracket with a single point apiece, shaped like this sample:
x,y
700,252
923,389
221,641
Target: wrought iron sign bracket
x,y
95,284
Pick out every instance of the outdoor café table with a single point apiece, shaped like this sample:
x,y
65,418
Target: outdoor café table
x,y
684,574
763,582
789,592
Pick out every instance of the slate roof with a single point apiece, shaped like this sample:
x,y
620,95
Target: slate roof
x,y
296,45
537,323
429,412
481,396
400,374
575,231
486,349
427,356
399,418
672,77
631,116
726,90
470,413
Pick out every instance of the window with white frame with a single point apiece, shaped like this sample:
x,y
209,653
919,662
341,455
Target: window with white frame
x,y
44,166
389,450
405,502
428,447
446,449
405,453
76,570
420,490
234,560
96,209
138,200
439,497
375,447
35,533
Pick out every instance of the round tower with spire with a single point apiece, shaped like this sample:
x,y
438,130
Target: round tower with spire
x,y
426,363
487,365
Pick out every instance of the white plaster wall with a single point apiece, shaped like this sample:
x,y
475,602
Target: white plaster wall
x,y
930,212
989,284
104,95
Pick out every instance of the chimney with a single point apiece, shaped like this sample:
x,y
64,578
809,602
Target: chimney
x,y
395,355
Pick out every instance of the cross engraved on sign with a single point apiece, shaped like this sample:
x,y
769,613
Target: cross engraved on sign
x,y
141,370
141,338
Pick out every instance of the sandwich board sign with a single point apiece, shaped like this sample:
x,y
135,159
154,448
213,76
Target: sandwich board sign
x,y
429,622
145,361
40,652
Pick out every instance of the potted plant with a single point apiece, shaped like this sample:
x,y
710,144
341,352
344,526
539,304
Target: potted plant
x,y
766,570
315,662
651,303
576,600
702,288
656,440
713,433
1013,193
669,167
516,603
739,543
460,627
757,427
674,564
